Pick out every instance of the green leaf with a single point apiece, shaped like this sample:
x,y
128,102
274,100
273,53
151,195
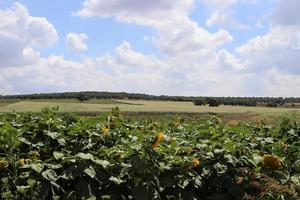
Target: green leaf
x,y
116,180
22,189
103,163
296,166
296,180
58,155
24,140
62,142
38,167
221,169
90,172
50,175
53,135
85,156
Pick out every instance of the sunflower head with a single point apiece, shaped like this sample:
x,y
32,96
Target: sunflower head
x,y
105,131
160,137
33,155
3,164
21,162
195,162
239,180
270,161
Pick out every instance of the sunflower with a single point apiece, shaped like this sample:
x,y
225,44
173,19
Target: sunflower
x,y
160,137
195,162
33,155
105,131
21,162
270,161
3,164
239,180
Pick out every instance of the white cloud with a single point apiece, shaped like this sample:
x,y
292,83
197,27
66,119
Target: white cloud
x,y
279,83
151,13
228,60
274,56
287,13
193,60
176,33
19,30
77,42
131,71
225,20
189,40
220,4
221,14
279,48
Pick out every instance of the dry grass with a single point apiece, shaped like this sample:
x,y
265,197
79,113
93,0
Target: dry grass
x,y
141,106
5,102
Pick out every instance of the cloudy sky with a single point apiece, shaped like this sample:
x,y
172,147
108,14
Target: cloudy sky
x,y
174,47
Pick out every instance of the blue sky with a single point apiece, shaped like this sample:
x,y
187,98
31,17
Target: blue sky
x,y
174,47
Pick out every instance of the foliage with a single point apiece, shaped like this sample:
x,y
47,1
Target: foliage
x,y
44,156
234,101
82,97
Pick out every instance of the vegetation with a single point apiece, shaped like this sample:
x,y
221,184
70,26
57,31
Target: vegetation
x,y
234,101
83,97
44,156
93,106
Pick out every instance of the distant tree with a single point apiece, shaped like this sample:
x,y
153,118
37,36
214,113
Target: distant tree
x,y
199,102
272,104
212,102
83,97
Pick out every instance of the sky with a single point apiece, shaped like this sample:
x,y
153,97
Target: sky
x,y
170,47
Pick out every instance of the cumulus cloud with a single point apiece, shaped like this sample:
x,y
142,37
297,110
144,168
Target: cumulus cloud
x,y
152,13
18,31
220,4
221,14
193,61
176,33
77,42
225,20
280,47
287,13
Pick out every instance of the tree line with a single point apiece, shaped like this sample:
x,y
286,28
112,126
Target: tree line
x,y
212,101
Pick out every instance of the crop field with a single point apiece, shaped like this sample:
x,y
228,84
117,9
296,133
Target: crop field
x,y
4,103
49,156
71,105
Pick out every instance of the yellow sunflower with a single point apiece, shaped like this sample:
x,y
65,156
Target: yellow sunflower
x,y
3,164
270,161
160,137
105,131
21,162
195,162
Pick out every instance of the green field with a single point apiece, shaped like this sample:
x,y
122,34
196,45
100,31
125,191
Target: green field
x,y
158,109
51,156
72,105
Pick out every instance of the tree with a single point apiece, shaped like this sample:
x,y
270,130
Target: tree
x,y
212,102
199,102
82,97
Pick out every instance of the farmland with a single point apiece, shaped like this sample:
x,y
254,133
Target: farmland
x,y
151,150
73,105
48,156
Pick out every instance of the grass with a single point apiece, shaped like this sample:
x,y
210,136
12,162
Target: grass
x,y
5,102
91,101
136,106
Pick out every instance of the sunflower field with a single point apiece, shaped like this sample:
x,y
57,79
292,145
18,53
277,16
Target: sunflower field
x,y
50,156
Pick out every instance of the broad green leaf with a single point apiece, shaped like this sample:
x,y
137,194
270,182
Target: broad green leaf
x,y
90,172
38,167
116,180
58,155
85,156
